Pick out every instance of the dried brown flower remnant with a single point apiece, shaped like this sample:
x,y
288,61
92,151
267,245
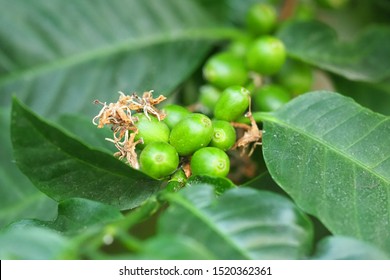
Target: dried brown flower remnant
x,y
127,149
119,116
146,104
252,135
114,113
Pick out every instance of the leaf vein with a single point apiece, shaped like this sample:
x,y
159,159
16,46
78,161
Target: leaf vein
x,y
332,148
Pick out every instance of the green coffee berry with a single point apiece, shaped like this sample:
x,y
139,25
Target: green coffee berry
x,y
266,55
159,159
261,19
239,47
208,97
225,69
232,104
224,135
150,130
295,76
174,114
210,161
191,133
270,97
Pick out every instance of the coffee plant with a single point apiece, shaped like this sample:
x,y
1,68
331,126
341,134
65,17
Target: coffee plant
x,y
170,129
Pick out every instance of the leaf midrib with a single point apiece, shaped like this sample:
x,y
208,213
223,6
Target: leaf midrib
x,y
127,45
199,214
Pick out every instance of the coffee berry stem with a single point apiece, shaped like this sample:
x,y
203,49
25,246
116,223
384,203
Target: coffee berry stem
x,y
257,116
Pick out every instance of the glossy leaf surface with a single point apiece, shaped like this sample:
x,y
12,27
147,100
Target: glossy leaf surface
x,y
242,223
333,157
76,215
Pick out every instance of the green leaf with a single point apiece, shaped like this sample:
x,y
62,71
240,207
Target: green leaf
x,y
36,243
62,167
242,223
18,197
332,156
81,128
347,248
365,59
77,215
126,45
220,184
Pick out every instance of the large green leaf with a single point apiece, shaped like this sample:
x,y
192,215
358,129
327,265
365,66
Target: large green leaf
x,y
242,223
18,197
365,59
333,157
62,167
78,51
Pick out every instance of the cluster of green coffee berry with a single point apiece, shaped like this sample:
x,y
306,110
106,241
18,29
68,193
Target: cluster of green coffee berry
x,y
193,142
257,61
174,141
185,140
161,142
